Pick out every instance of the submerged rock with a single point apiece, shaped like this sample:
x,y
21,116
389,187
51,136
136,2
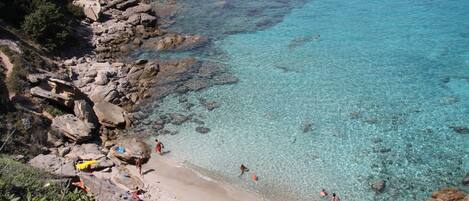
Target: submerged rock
x,y
178,119
209,105
378,185
202,130
465,180
460,129
306,126
448,194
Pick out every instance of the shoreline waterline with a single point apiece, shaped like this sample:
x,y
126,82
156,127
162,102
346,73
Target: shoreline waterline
x,y
188,184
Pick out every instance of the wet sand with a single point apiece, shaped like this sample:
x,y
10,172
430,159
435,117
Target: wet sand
x,y
166,180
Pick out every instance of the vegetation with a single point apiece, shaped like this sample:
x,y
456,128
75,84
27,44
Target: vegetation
x,y
15,82
22,182
47,25
53,110
48,22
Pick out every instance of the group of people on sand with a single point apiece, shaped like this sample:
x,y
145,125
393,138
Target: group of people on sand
x,y
158,149
324,194
138,194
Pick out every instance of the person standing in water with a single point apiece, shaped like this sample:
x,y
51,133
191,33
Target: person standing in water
x,y
159,147
323,193
335,197
243,169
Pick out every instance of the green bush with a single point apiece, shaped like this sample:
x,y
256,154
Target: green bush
x,y
53,110
19,181
47,25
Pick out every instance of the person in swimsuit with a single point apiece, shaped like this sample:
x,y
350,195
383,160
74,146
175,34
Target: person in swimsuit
x,y
159,147
335,197
323,193
138,163
243,169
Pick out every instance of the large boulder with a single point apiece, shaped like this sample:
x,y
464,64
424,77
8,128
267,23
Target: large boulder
x,y
91,8
147,20
131,149
125,178
72,127
84,111
103,189
448,194
140,8
53,164
109,115
88,151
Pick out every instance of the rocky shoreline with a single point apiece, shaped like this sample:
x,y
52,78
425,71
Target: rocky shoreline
x,y
100,92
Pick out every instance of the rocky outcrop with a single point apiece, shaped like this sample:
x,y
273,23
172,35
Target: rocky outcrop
x,y
53,164
109,115
447,194
103,189
88,151
58,91
71,127
91,8
178,42
133,149
84,112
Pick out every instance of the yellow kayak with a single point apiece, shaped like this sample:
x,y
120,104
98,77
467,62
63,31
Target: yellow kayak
x,y
83,164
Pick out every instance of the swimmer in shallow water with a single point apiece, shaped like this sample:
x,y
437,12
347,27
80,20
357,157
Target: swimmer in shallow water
x,y
335,197
243,169
323,193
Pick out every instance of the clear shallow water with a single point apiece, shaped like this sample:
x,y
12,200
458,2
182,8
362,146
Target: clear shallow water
x,y
381,83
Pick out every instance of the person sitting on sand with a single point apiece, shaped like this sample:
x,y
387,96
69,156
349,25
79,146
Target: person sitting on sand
x,y
335,197
159,147
323,193
243,169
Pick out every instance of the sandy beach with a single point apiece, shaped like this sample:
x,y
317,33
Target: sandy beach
x,y
167,180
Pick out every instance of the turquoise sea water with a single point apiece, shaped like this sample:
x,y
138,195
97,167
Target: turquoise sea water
x,y
381,83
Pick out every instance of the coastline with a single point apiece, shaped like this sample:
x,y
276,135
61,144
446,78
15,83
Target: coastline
x,y
182,183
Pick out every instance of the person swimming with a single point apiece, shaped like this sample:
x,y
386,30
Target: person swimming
x,y
335,197
323,193
243,169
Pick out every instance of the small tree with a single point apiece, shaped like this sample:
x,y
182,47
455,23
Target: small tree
x,y
47,25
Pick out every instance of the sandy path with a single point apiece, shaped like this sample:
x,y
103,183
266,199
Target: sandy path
x,y
171,181
9,66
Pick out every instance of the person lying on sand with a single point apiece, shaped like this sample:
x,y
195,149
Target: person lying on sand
x,y
138,194
243,169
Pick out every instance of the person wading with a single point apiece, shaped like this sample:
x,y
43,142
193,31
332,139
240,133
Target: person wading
x,y
159,147
243,169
